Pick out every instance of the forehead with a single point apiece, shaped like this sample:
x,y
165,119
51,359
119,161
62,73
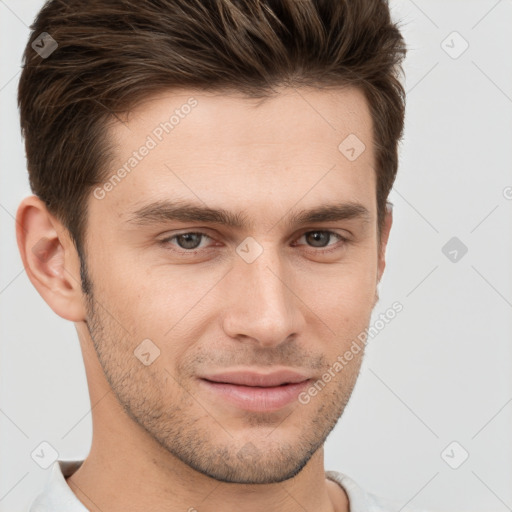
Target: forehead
x,y
227,148
309,112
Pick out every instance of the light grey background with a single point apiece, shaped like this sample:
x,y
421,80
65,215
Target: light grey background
x,y
439,372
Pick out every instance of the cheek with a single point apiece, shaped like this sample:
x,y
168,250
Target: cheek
x,y
345,291
161,304
345,305
125,290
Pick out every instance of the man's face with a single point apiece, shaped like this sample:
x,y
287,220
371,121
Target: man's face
x,y
272,293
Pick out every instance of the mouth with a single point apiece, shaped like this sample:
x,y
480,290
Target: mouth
x,y
256,392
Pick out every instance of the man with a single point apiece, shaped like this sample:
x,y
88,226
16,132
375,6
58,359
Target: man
x,y
210,210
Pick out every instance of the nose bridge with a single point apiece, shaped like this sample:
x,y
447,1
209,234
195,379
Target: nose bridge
x,y
262,306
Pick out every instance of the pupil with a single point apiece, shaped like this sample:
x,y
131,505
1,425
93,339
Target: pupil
x,y
316,236
190,243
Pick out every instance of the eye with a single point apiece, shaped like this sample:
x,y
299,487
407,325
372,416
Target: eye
x,y
187,241
320,238
190,241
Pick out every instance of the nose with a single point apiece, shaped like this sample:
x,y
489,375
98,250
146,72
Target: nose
x,y
263,305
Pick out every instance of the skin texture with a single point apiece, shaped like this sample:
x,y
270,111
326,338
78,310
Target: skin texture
x,y
160,441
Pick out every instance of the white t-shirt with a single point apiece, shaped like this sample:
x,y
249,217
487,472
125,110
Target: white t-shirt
x,y
57,496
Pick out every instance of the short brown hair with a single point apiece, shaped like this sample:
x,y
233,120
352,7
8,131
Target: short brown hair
x,y
113,53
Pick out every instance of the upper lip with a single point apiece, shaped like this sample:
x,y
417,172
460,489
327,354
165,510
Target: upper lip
x,y
252,378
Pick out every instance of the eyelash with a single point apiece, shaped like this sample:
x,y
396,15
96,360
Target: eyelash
x,y
166,241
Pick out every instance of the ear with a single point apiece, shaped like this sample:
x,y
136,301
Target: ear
x,y
50,259
386,228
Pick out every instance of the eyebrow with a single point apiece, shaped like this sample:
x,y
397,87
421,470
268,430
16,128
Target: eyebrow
x,y
183,211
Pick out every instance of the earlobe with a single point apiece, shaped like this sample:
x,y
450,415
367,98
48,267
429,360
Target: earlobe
x,y
50,259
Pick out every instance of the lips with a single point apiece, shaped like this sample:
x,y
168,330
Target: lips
x,y
251,378
255,391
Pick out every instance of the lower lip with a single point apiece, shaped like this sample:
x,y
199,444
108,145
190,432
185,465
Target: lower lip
x,y
259,399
